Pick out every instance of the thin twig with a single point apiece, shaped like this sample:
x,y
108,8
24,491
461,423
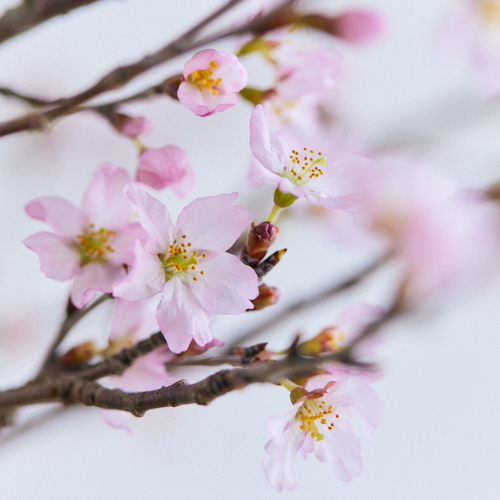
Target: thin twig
x,y
34,12
311,300
120,76
71,320
70,389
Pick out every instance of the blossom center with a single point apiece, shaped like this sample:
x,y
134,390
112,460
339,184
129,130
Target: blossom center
x,y
180,260
93,245
304,168
316,416
203,78
490,10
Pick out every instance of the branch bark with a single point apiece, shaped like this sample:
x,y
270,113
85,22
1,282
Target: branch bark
x,y
69,389
31,13
117,78
311,300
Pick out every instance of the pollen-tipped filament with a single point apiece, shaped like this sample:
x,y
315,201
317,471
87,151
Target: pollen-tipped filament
x,y
181,260
204,78
316,416
93,245
304,167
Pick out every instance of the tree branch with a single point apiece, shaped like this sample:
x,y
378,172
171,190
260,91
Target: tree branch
x,y
70,389
302,304
31,13
71,320
117,78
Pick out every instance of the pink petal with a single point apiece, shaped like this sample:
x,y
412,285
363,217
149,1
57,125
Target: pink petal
x,y
279,473
145,279
260,140
117,419
104,202
153,217
226,286
123,244
181,317
135,319
61,215
213,223
341,450
92,278
59,259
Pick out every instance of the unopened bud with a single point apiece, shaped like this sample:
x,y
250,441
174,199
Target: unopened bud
x,y
79,354
327,341
265,266
259,239
171,86
355,26
268,296
129,126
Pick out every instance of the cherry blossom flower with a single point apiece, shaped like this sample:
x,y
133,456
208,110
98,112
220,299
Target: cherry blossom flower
x,y
302,72
442,234
318,422
188,265
91,244
212,79
164,167
300,171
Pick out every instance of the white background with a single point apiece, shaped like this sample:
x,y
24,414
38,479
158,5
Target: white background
x,y
439,438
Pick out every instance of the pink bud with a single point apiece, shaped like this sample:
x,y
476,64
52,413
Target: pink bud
x,y
168,166
355,26
268,296
136,126
359,26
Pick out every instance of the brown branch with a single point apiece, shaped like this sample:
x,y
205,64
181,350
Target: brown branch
x,y
311,300
73,317
72,389
31,13
118,363
117,78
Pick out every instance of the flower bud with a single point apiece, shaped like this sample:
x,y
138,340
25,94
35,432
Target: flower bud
x,y
164,167
355,26
129,126
268,296
327,341
259,239
79,354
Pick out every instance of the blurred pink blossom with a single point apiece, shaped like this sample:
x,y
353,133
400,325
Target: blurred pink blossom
x,y
443,234
164,167
188,265
473,33
90,244
318,422
212,80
